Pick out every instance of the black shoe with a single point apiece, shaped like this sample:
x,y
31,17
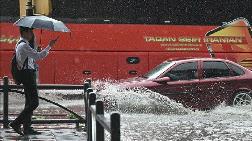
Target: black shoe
x,y
16,128
31,131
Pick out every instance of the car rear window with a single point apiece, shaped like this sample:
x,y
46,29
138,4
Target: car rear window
x,y
236,71
213,69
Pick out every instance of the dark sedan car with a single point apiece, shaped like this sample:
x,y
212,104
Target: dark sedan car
x,y
200,83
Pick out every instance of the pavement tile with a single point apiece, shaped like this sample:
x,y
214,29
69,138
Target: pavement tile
x,y
50,134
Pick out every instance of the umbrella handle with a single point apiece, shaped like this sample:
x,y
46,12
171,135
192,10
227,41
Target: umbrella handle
x,y
40,37
57,38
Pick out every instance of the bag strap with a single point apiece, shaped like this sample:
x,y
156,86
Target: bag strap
x,y
26,60
19,42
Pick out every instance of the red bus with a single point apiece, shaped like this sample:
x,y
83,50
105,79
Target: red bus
x,y
121,50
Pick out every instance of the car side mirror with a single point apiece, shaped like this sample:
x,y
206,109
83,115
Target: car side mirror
x,y
162,80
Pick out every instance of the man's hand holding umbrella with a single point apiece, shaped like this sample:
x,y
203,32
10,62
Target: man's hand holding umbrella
x,y
52,42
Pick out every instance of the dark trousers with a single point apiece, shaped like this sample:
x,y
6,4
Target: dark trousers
x,y
31,98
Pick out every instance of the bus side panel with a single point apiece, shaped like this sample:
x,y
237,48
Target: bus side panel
x,y
131,64
74,67
9,36
5,64
47,69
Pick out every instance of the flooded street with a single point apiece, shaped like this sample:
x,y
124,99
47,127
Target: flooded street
x,y
148,116
223,123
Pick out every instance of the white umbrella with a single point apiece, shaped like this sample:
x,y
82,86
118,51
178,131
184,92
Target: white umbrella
x,y
42,22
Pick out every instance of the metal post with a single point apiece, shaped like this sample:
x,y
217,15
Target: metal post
x,y
89,82
5,102
86,86
89,90
115,126
29,9
91,100
99,127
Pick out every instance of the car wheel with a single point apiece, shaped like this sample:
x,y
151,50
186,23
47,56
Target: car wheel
x,y
242,98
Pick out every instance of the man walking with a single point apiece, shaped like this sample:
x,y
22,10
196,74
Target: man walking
x,y
26,55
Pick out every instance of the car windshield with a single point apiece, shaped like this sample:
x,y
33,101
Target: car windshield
x,y
154,73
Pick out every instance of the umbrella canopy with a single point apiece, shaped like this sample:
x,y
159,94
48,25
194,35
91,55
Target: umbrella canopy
x,y
42,22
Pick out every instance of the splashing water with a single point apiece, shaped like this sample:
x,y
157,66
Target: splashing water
x,y
137,100
146,115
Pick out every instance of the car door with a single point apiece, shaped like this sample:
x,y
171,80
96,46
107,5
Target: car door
x,y
184,78
214,84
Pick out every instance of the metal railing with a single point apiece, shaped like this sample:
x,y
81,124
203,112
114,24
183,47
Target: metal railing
x,y
97,123
6,88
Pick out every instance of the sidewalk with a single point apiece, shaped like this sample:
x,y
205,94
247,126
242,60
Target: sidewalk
x,y
49,133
